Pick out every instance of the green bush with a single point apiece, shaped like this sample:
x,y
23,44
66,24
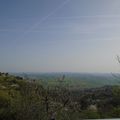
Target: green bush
x,y
89,114
116,112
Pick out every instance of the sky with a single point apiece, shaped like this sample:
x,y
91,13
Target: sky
x,y
59,35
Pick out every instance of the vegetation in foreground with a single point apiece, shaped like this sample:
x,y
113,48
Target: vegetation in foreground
x,y
22,99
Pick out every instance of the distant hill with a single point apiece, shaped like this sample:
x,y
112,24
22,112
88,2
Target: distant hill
x,y
75,80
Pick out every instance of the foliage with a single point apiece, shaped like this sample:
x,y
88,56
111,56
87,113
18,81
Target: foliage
x,y
22,99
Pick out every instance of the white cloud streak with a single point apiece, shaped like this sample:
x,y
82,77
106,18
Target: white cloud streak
x,y
87,16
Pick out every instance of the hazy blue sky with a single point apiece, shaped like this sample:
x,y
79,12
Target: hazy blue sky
x,y
59,35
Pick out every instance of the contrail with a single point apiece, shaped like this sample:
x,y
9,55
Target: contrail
x,y
50,14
